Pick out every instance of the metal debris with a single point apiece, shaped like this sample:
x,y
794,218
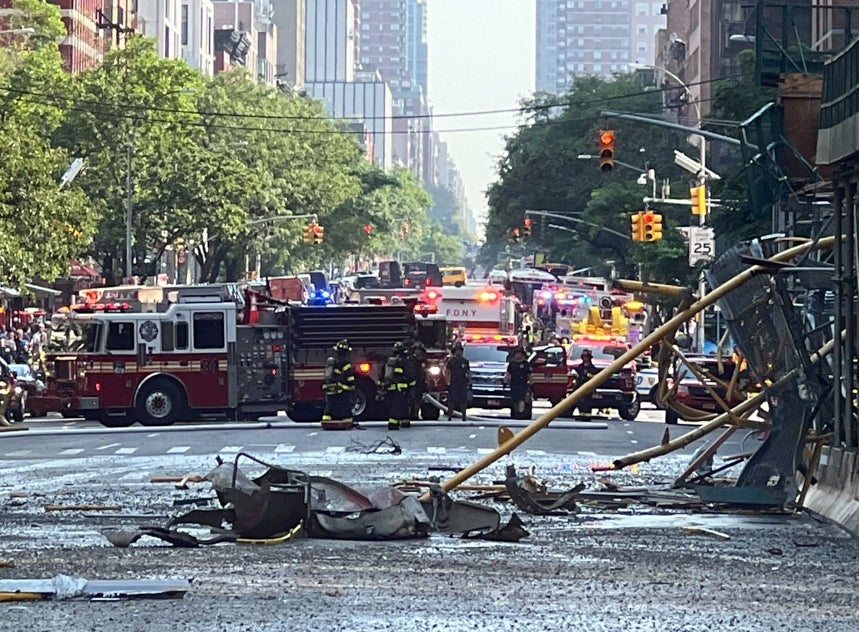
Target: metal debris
x,y
65,587
532,496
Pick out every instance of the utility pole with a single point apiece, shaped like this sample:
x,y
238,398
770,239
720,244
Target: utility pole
x,y
129,201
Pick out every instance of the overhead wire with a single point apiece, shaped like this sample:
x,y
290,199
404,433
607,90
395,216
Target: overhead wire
x,y
203,113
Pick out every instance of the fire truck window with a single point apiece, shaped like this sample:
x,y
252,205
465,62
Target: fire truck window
x,y
209,330
181,335
120,337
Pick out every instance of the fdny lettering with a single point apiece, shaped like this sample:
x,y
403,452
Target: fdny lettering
x,y
453,311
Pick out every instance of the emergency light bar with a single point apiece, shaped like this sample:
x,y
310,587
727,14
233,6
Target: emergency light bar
x,y
86,308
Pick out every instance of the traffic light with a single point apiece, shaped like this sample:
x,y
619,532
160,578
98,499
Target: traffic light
x,y
367,228
606,155
307,234
651,226
318,234
699,200
526,228
635,225
513,235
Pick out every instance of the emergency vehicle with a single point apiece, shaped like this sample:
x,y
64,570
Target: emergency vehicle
x,y
487,321
160,354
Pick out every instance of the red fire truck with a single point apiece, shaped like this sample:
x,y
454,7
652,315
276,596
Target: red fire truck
x,y
158,355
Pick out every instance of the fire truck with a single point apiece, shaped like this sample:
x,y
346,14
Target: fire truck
x,y
157,355
487,321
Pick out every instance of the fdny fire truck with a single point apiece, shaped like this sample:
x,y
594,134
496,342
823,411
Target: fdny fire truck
x,y
158,355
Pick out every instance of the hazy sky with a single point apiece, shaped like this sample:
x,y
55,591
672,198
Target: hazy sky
x,y
481,57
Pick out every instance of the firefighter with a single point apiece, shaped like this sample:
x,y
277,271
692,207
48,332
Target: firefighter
x,y
584,372
399,383
417,359
518,376
338,387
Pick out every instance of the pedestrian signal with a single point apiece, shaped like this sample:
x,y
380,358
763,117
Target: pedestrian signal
x,y
606,156
699,200
651,226
635,227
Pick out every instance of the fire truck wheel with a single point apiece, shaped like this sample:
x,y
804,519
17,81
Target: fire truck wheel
x,y
305,413
159,403
359,401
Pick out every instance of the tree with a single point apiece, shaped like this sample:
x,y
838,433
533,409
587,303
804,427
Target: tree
x,y
540,170
43,225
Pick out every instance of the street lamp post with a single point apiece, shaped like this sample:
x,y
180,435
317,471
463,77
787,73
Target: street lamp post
x,y
27,30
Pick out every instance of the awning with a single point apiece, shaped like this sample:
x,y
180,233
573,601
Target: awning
x,y
8,292
45,292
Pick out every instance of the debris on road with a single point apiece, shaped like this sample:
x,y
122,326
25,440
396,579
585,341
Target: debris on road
x,y
83,507
65,587
275,506
7,563
705,531
384,446
533,496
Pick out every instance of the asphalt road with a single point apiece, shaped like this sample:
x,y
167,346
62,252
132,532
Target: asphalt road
x,y
57,438
624,567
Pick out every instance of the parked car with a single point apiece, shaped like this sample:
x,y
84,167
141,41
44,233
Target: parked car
x,y
453,275
23,383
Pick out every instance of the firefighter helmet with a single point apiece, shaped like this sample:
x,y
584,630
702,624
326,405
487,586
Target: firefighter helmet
x,y
399,348
418,346
342,346
586,353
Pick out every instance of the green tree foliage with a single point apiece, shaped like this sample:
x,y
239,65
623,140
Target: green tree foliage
x,y
43,224
541,170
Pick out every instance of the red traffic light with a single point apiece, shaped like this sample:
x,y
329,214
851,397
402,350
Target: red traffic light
x,y
527,221
606,137
367,228
647,218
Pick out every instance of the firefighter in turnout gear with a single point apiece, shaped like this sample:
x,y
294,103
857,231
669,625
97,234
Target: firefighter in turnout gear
x,y
399,383
338,387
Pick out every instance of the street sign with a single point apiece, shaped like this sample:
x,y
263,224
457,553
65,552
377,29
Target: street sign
x,y
702,244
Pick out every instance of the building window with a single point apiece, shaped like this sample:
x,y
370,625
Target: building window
x,y
642,8
184,25
642,30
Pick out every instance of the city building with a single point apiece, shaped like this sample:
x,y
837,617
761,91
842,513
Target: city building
x,y
162,20
245,35
288,17
593,37
366,101
329,41
197,35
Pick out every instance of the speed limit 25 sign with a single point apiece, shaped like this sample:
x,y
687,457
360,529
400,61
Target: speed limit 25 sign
x,y
702,244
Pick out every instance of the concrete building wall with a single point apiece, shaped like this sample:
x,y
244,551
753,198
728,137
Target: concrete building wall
x,y
288,16
329,41
197,35
162,20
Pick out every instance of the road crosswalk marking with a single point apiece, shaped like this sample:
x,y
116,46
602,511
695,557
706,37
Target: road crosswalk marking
x,y
70,451
231,449
178,449
18,453
126,451
433,450
280,448
335,449
108,446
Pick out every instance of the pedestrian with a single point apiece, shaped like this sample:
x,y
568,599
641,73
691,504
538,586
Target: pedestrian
x,y
526,338
518,377
457,373
398,384
417,360
338,387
